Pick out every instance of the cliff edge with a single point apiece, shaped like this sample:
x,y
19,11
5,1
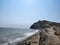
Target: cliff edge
x,y
49,32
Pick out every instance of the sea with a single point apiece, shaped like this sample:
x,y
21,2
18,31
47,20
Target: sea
x,y
10,36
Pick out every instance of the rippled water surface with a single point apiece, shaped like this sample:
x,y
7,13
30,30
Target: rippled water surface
x,y
11,35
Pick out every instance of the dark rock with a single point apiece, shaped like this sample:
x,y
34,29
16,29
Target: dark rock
x,y
42,24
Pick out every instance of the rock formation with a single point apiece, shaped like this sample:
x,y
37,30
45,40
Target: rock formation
x,y
49,32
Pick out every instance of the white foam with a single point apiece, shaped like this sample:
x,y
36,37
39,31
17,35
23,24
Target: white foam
x,y
4,44
17,39
20,39
30,33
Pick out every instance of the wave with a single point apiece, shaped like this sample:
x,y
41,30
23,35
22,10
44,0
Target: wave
x,y
10,40
30,33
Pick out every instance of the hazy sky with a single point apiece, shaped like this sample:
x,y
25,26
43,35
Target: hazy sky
x,y
22,13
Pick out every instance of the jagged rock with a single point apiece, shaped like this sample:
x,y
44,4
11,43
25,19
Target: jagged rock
x,y
48,37
49,32
36,25
43,24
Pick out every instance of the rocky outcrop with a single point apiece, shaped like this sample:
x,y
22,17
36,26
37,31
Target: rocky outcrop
x,y
34,40
43,24
49,32
48,37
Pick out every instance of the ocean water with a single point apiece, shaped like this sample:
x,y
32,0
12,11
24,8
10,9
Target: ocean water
x,y
10,36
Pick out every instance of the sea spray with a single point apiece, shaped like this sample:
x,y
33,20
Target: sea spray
x,y
31,33
11,36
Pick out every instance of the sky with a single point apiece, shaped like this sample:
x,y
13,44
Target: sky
x,y
23,13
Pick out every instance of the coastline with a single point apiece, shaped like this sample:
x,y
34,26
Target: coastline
x,y
12,38
33,39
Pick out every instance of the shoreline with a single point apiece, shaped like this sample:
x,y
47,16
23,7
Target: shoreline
x,y
33,39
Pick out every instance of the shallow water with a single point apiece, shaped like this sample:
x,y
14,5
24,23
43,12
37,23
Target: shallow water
x,y
9,36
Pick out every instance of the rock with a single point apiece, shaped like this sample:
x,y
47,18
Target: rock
x,y
49,32
48,37
36,25
43,24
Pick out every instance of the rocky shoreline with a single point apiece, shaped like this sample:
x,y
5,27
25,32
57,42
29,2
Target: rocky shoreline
x,y
48,34
34,39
